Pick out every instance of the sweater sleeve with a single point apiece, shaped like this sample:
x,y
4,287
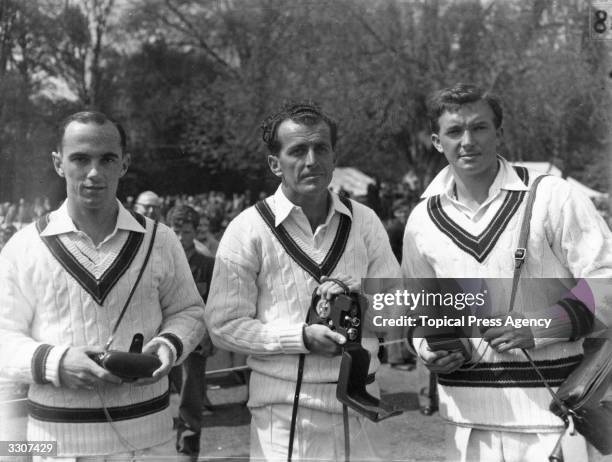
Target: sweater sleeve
x,y
414,267
231,311
182,305
22,359
582,241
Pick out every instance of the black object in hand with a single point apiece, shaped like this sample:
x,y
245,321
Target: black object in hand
x,y
130,365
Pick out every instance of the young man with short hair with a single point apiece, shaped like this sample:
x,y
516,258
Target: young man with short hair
x,y
467,226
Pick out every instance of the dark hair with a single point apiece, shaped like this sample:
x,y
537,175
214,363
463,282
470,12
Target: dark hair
x,y
450,99
180,214
88,117
303,113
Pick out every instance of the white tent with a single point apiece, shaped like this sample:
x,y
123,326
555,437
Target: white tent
x,y
352,180
547,167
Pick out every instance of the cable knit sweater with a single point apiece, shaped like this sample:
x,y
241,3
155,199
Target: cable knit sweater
x,y
44,310
568,239
260,296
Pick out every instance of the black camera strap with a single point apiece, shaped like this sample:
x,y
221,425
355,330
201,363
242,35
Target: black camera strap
x,y
127,302
317,272
520,255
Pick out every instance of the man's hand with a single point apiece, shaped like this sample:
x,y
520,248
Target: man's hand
x,y
320,339
506,338
77,370
440,362
165,355
328,288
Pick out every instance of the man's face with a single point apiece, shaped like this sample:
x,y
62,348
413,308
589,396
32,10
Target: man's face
x,y
305,162
149,207
186,233
468,139
92,161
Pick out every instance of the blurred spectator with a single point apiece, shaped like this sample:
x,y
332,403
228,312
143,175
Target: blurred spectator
x,y
373,199
395,227
398,354
190,377
129,203
149,204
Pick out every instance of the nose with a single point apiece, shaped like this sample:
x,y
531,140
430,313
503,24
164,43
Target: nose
x,y
94,170
311,157
467,139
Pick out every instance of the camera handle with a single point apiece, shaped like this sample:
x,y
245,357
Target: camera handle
x,y
352,380
344,314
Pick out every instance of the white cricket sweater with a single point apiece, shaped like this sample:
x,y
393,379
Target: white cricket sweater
x,y
260,296
568,239
42,304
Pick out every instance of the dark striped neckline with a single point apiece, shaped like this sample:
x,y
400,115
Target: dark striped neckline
x,y
481,245
97,288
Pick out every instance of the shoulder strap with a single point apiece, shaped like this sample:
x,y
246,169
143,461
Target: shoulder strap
x,y
520,254
127,302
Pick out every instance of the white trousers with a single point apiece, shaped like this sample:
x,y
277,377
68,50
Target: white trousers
x,y
319,435
472,445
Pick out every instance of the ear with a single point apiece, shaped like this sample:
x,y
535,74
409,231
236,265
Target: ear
x,y
435,140
274,165
56,157
500,136
125,161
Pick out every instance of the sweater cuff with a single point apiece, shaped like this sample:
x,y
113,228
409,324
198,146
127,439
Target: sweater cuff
x,y
559,329
291,339
169,344
52,364
39,363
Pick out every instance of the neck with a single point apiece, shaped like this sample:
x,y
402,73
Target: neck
x,y
96,223
475,189
314,207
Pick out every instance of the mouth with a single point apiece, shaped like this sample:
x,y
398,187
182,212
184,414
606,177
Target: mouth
x,y
312,176
468,155
93,188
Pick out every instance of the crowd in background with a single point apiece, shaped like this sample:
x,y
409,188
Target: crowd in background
x,y
391,202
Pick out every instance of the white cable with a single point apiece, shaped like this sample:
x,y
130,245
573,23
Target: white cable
x,y
125,442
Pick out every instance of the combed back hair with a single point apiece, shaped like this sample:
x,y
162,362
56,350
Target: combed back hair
x,y
303,113
89,117
450,99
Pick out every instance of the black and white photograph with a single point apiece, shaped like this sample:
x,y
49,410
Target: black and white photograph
x,y
306,230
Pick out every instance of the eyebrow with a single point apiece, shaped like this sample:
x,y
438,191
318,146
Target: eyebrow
x,y
81,153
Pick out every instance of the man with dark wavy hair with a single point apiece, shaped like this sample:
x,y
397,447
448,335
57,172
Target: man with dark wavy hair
x,y
270,260
467,226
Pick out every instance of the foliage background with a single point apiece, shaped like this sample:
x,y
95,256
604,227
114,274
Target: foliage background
x,y
192,80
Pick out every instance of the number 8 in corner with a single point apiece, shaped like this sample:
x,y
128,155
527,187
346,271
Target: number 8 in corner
x,y
600,20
